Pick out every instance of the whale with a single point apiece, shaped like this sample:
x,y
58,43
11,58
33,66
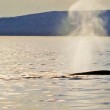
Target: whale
x,y
98,72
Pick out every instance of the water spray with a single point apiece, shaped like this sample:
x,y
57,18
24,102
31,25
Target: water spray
x,y
87,25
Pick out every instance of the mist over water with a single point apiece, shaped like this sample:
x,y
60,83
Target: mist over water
x,y
87,26
87,23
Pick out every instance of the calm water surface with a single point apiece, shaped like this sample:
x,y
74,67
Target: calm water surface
x,y
33,55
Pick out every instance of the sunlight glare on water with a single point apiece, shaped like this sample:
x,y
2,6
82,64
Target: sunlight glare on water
x,y
33,55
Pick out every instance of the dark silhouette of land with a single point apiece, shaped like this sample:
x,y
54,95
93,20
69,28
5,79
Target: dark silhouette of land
x,y
54,23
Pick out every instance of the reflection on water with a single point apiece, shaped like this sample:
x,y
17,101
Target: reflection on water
x,y
46,94
49,56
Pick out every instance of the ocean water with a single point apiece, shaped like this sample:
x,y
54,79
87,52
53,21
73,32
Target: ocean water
x,y
27,65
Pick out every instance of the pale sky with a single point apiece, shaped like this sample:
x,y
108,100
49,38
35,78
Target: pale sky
x,y
23,7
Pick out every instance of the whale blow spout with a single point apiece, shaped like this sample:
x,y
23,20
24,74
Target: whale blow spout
x,y
87,27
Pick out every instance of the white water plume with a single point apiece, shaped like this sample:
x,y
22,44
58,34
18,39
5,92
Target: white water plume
x,y
90,5
87,25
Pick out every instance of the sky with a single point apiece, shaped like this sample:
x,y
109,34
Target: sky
x,y
9,8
